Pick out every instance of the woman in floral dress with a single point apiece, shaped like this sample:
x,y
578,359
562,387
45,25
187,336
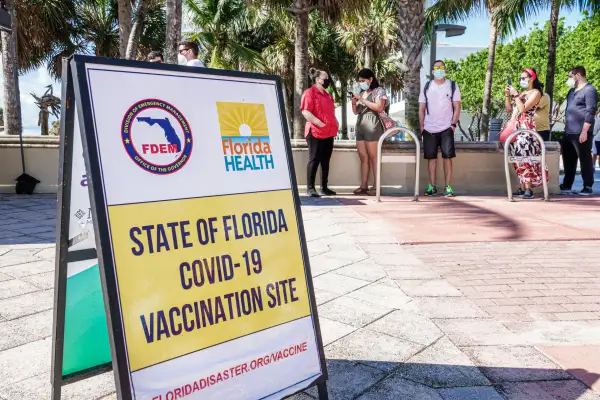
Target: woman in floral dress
x,y
526,145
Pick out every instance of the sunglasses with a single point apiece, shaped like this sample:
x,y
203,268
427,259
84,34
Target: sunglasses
x,y
439,68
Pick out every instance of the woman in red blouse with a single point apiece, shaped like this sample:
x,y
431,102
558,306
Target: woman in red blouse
x,y
318,108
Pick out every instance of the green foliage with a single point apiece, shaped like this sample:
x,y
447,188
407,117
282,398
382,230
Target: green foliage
x,y
52,29
576,46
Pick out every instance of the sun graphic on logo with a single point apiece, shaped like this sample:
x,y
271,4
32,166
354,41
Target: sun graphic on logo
x,y
242,119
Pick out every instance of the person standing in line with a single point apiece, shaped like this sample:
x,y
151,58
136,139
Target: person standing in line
x,y
582,104
542,109
439,112
155,57
188,54
321,128
370,107
525,111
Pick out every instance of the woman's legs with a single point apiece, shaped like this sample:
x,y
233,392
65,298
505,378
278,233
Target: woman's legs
x,y
372,154
363,155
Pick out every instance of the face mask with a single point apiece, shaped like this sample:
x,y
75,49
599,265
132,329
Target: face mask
x,y
439,73
524,83
181,60
364,85
571,82
326,83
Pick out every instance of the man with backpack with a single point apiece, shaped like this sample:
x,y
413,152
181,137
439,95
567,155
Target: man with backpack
x,y
439,112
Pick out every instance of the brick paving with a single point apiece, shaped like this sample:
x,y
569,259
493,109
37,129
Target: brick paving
x,y
486,319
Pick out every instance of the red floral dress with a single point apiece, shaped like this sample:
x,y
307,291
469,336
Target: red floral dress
x,y
525,145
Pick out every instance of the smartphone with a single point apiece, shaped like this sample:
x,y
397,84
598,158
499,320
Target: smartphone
x,y
509,81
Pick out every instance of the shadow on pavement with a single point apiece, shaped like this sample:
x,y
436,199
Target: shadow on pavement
x,y
27,219
391,380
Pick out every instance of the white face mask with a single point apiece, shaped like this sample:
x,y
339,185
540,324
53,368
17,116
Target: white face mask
x,y
181,60
524,83
364,85
571,82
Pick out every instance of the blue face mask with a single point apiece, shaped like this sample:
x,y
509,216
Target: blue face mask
x,y
439,73
364,85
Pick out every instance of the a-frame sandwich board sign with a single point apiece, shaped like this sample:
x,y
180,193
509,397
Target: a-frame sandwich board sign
x,y
80,347
203,257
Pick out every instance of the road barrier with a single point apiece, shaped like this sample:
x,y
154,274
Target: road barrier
x,y
386,134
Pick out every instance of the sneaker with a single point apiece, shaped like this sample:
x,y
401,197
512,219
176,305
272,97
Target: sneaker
x,y
431,190
586,191
448,192
564,190
528,194
327,192
519,192
312,193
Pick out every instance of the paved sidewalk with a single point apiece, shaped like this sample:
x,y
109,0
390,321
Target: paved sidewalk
x,y
468,320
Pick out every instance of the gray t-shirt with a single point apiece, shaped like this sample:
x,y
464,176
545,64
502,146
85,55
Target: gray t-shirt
x,y
581,107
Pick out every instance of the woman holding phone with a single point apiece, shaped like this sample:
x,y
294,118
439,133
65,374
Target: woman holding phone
x,y
524,107
369,105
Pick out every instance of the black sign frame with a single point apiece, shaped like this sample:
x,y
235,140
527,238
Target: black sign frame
x,y
100,217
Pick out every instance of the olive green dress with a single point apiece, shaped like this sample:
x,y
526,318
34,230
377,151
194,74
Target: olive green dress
x,y
368,125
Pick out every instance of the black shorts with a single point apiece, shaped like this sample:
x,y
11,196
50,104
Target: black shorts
x,y
443,140
597,143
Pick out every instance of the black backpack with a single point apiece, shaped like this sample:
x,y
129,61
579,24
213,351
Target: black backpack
x,y
452,90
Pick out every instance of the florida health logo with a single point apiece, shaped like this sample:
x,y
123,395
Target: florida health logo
x,y
245,136
156,136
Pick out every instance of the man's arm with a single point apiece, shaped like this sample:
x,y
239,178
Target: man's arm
x,y
591,105
422,116
456,116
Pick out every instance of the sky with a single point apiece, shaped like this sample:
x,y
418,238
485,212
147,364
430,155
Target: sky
x,y
476,37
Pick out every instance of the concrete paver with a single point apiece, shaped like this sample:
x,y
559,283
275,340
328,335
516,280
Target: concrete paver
x,y
461,313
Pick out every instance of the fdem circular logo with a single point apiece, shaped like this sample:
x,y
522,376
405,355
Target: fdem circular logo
x,y
156,136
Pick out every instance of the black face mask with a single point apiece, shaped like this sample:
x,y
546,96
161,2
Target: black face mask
x,y
326,83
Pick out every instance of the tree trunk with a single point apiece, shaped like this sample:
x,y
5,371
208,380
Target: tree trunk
x,y
173,36
552,43
12,98
300,63
343,97
124,7
411,30
136,30
369,57
288,109
487,91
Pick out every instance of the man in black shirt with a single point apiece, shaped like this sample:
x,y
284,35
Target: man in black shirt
x,y
582,103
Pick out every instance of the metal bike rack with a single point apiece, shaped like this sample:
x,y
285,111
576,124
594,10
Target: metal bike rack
x,y
519,159
392,132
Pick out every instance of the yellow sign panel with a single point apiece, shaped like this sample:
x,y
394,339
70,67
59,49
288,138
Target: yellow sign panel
x,y
198,272
242,119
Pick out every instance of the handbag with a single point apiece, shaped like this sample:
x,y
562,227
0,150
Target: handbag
x,y
386,121
509,127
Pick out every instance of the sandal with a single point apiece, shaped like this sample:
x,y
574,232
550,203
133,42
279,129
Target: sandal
x,y
361,191
372,192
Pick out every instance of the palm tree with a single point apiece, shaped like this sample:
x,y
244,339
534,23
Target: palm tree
x,y
411,31
173,31
457,10
300,9
328,53
520,10
367,35
219,26
124,7
12,102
